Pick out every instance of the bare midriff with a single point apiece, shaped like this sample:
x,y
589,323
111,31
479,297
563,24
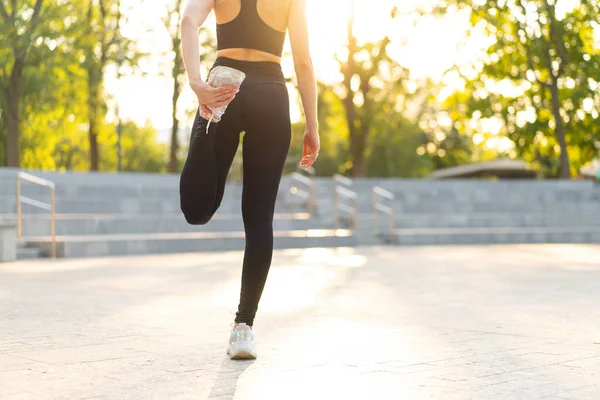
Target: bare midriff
x,y
248,55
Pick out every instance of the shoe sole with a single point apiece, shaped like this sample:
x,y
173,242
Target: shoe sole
x,y
243,353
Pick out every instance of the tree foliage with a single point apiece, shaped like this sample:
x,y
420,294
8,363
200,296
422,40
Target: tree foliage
x,y
540,77
538,83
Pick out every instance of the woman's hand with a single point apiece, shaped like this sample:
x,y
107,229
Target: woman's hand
x,y
213,97
205,112
312,146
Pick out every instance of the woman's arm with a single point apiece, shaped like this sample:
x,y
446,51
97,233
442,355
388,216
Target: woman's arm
x,y
307,84
298,29
194,16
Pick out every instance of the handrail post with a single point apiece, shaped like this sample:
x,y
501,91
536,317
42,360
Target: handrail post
x,y
19,227
312,201
307,193
53,220
355,217
375,214
386,197
392,219
292,205
335,207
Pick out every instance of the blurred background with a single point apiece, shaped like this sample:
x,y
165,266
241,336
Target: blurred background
x,y
406,88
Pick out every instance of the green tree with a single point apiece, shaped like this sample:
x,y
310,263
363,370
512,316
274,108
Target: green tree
x,y
141,150
394,152
20,28
52,93
540,78
54,110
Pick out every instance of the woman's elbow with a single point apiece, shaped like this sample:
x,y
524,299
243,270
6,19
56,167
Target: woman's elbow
x,y
188,22
304,65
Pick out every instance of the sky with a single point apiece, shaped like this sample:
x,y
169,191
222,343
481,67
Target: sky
x,y
427,46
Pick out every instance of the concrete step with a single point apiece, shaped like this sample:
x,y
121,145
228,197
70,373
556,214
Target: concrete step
x,y
495,207
94,185
108,205
29,253
498,235
517,219
453,222
447,206
108,245
231,205
89,224
443,205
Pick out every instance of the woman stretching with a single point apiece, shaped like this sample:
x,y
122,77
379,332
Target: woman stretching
x,y
250,37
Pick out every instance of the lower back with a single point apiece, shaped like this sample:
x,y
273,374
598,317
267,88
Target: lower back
x,y
248,55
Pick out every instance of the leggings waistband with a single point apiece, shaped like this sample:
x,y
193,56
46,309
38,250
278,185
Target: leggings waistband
x,y
251,67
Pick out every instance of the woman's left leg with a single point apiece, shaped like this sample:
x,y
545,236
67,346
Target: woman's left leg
x,y
204,175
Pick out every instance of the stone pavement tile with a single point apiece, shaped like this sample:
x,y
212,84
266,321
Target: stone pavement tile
x,y
187,362
11,345
546,390
530,388
20,380
322,382
590,392
8,363
401,368
72,358
583,362
16,395
488,357
458,375
79,354
46,341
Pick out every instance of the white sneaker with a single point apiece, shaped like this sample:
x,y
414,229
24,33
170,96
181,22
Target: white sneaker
x,y
240,343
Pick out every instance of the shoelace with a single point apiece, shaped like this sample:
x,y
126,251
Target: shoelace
x,y
219,111
242,334
209,121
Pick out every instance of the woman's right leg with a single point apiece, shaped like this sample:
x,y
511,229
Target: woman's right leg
x,y
265,147
204,174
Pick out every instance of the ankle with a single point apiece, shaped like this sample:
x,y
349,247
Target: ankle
x,y
236,325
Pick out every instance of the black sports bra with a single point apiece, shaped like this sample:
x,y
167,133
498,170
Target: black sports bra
x,y
248,31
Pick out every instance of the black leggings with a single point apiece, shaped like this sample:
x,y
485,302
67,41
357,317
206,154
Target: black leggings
x,y
261,110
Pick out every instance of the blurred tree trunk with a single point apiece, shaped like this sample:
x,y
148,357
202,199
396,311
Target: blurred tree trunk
x,y
94,90
102,37
565,165
13,100
358,100
172,20
357,136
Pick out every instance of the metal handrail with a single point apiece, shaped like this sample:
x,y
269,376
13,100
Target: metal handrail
x,y
378,206
342,179
340,192
45,206
308,195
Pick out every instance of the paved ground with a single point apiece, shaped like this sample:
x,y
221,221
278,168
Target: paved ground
x,y
505,322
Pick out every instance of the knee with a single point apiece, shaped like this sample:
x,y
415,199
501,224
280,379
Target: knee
x,y
197,219
194,217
